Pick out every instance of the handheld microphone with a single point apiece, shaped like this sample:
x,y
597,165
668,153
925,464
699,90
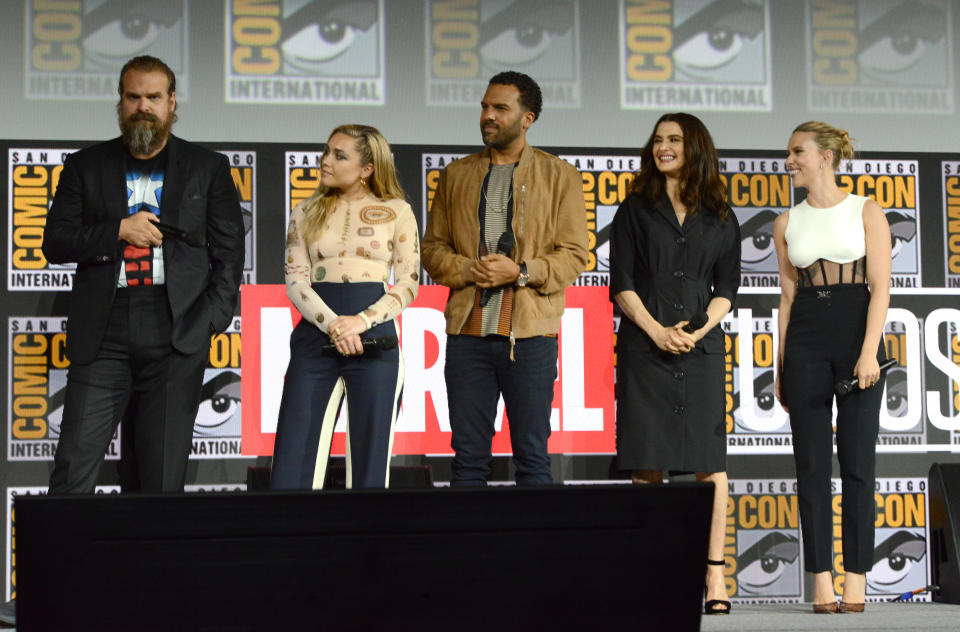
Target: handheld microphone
x,y
845,386
504,246
383,343
907,596
696,321
169,230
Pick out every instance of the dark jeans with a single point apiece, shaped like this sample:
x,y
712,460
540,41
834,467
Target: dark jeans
x,y
477,372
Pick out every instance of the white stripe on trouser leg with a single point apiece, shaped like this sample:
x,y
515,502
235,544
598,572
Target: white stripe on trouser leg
x,y
347,457
326,434
401,373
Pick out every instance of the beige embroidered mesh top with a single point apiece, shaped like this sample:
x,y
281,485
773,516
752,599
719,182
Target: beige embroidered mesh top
x,y
360,242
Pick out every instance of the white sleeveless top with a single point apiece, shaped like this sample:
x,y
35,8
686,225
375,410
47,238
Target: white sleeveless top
x,y
835,234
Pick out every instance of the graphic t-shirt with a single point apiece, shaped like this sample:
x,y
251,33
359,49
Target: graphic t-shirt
x,y
143,266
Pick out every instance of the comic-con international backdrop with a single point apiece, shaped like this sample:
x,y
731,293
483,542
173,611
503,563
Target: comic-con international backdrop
x,y
263,81
415,68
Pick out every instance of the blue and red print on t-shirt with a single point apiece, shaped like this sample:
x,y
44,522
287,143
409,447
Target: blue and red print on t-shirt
x,y
143,266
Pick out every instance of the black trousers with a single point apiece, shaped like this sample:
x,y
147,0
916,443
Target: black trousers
x,y
315,385
824,338
139,377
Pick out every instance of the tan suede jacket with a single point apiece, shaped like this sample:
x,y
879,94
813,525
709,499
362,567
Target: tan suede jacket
x,y
550,225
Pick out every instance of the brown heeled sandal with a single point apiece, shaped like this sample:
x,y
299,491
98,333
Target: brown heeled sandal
x,y
716,606
850,608
826,608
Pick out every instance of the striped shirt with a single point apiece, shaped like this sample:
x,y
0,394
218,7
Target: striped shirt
x,y
495,316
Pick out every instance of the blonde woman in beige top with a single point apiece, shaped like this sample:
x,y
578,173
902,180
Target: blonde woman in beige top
x,y
342,245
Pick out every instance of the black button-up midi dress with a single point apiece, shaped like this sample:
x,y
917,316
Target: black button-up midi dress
x,y
671,409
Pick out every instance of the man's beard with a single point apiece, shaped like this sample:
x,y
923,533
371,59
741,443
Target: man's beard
x,y
142,139
503,137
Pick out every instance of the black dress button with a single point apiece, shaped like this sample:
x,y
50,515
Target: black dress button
x,y
678,375
678,274
678,306
678,410
681,240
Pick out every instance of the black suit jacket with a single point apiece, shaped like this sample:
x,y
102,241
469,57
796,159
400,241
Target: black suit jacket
x,y
202,279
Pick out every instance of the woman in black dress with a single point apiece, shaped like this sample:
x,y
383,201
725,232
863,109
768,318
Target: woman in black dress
x,y
675,254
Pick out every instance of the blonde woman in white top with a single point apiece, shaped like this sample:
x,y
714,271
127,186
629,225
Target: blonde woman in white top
x,y
834,251
342,244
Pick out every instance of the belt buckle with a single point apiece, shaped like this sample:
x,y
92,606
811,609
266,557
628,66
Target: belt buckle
x,y
823,293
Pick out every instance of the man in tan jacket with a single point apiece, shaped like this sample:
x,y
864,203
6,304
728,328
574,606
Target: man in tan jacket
x,y
507,233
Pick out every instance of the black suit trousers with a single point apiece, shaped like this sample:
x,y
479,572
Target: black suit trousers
x,y
824,338
138,377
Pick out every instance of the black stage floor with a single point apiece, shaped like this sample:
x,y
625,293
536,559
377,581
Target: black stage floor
x,y
928,617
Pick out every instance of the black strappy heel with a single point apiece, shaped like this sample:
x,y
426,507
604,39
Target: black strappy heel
x,y
716,606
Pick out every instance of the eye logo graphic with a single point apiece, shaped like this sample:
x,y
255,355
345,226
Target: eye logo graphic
x,y
37,373
763,535
896,391
756,422
897,562
880,56
758,190
216,429
894,185
684,54
606,184
219,404
757,247
469,41
75,50
900,543
306,52
769,566
901,415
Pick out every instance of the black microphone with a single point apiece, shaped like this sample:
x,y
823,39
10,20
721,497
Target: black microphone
x,y
169,230
504,246
845,386
383,343
696,321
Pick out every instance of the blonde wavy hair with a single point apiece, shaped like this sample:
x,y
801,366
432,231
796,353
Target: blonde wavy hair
x,y
829,137
373,149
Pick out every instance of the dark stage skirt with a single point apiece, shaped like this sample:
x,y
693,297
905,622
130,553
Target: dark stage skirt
x,y
670,409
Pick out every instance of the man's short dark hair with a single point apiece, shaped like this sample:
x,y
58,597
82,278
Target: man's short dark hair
x,y
147,63
530,96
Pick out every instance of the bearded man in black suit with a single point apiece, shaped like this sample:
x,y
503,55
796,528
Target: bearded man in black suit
x,y
155,227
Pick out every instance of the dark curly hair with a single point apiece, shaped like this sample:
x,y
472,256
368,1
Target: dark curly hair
x,y
530,96
700,182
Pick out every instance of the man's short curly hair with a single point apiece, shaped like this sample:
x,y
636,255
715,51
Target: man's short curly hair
x,y
530,96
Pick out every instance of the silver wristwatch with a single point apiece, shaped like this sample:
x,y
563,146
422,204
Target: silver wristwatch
x,y
524,277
